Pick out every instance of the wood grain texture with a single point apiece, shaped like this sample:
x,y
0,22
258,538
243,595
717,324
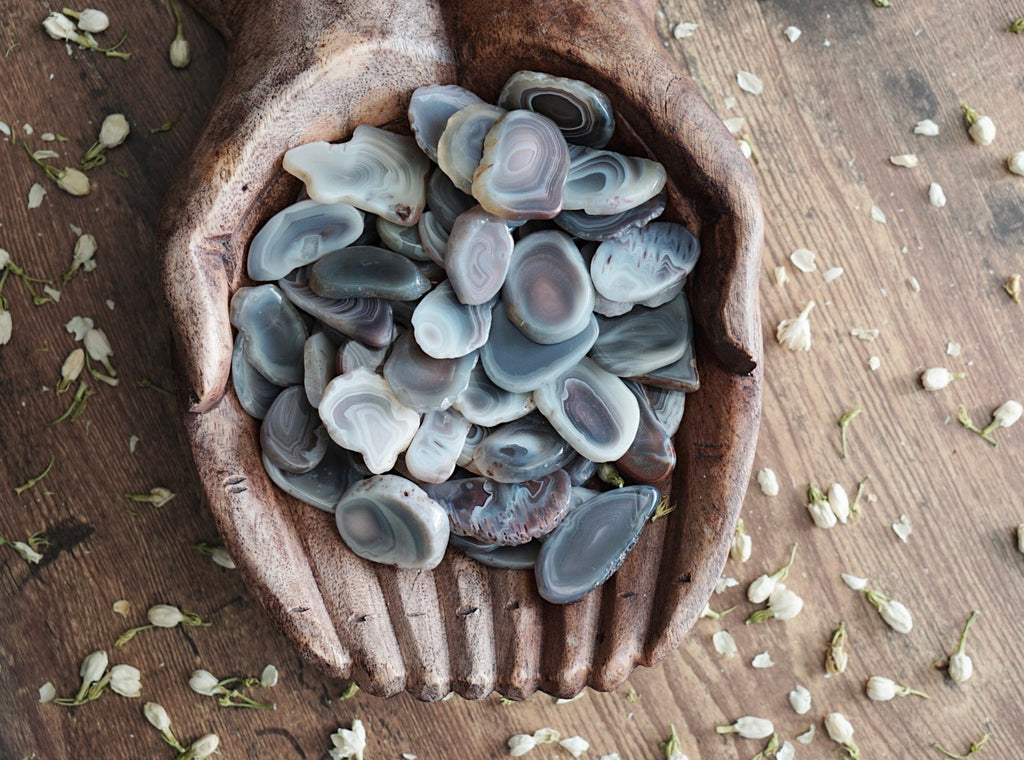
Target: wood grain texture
x,y
828,120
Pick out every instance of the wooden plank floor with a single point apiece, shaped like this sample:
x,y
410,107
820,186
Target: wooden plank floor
x,y
836,104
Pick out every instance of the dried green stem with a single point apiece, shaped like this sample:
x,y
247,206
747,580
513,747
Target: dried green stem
x,y
31,482
964,419
976,747
962,643
1016,26
855,511
844,422
77,405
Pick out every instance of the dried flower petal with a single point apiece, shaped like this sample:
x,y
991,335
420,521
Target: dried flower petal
x,y
907,160
684,29
768,481
47,692
795,334
749,82
781,276
1015,163
36,193
741,546
762,660
803,259
92,20
926,127
792,33
833,273
269,676
724,644
800,700
807,736
839,501
902,528
519,744
724,583
575,745
936,195
878,215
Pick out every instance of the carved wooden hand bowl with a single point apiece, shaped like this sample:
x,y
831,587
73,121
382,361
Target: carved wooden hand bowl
x,y
313,70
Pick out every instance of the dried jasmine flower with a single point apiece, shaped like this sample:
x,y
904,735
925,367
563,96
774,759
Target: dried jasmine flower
x,y
89,20
180,53
92,671
218,554
792,33
269,677
1013,287
79,326
839,501
1005,416
762,587
113,132
226,690
894,613
841,731
800,700
981,128
926,127
36,193
126,681
98,348
34,481
684,29
724,644
60,27
836,657
762,660
749,82
84,257
819,508
882,689
936,195
803,259
47,693
157,496
976,747
27,549
749,727
783,604
906,160
203,747
1015,163
161,721
672,748
902,528
739,550
768,481
878,215
961,666
163,616
575,745
937,378
71,369
795,334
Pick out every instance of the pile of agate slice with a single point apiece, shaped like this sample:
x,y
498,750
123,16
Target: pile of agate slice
x,y
458,329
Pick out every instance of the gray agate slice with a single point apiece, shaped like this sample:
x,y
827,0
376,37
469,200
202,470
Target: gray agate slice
x,y
299,235
376,171
318,361
368,320
520,557
322,486
607,227
668,406
433,238
435,449
291,435
664,333
445,328
366,271
461,147
478,256
484,403
522,171
604,182
547,293
362,414
525,449
255,393
583,113
681,375
403,240
651,456
592,542
420,381
518,364
445,200
274,330
429,110
643,262
389,519
592,409
355,354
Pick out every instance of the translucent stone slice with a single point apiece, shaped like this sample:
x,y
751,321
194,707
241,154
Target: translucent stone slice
x,y
609,308
445,200
461,146
592,542
580,495
518,364
255,393
429,110
605,182
519,557
644,339
435,449
291,435
322,486
525,449
651,456
478,256
522,171
318,361
362,414
368,320
365,271
445,328
598,228
681,375
581,470
547,293
274,333
582,112
355,354
299,235
473,438
592,409
484,403
420,381
506,514
433,238
643,262
389,519
668,406
403,240
377,171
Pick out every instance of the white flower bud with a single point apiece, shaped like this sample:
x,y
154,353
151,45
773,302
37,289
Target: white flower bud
x,y
575,745
741,547
59,26
72,367
768,481
221,557
937,378
961,667
85,250
269,676
27,552
203,682
760,589
92,20
855,582
897,616
97,345
93,667
936,195
157,716
114,130
795,334
926,127
5,258
880,688
839,502
520,744
786,752
1007,414
47,692
1015,163
800,700
73,182
983,130
180,54
822,514
349,742
204,746
749,727
724,643
164,615
6,326
839,728
784,603
126,680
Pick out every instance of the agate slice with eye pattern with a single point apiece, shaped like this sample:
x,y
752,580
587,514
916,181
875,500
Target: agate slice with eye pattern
x,y
522,171
368,320
299,235
322,486
525,449
461,146
429,110
376,171
644,261
366,271
583,113
604,182
362,414
389,519
255,393
592,409
291,435
484,403
420,381
478,255
435,449
274,330
447,329
592,542
664,333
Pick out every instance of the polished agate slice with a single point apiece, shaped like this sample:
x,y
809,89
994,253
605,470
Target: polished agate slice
x,y
609,226
445,328
366,271
299,235
292,436
605,182
389,519
484,403
255,393
420,381
322,486
362,414
525,449
592,542
643,262
355,354
433,238
473,438
461,146
368,320
581,470
547,293
651,456
478,256
376,171
680,375
429,110
583,113
592,409
522,171
400,239
664,333
668,406
445,200
434,452
319,363
275,333
519,557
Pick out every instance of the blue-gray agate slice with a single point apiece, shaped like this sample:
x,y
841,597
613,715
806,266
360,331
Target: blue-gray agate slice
x,y
255,393
299,235
366,271
275,332
664,333
484,403
643,262
582,112
461,146
610,226
368,320
525,449
605,182
322,486
447,329
435,449
519,557
445,201
291,435
429,110
420,381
